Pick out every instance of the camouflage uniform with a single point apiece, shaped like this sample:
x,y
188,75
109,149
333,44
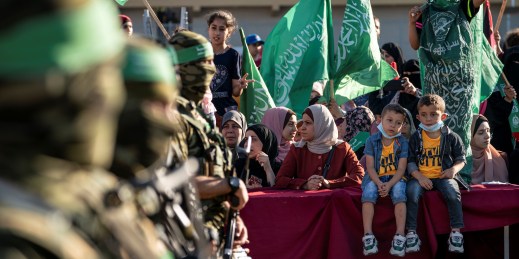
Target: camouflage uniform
x,y
147,122
58,102
203,141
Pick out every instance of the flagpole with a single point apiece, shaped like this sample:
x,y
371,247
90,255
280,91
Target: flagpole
x,y
500,16
161,26
332,92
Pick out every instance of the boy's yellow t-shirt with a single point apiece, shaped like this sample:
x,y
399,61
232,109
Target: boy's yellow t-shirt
x,y
430,165
388,164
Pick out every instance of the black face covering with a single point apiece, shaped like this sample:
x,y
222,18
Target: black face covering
x,y
314,100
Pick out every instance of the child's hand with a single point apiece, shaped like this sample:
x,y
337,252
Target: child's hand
x,y
383,190
425,182
447,174
414,14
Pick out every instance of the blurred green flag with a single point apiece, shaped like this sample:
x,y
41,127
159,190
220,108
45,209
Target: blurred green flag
x,y
486,59
121,2
256,99
298,52
360,68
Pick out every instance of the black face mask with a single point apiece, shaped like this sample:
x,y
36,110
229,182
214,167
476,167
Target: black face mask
x,y
415,80
314,100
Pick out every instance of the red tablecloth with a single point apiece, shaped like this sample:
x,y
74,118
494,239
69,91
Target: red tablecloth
x,y
328,223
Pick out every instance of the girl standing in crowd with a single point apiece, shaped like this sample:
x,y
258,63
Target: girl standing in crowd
x,y
226,82
319,160
282,121
264,150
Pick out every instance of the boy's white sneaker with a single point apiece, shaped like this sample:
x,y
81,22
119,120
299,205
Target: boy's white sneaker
x,y
412,242
398,245
456,242
369,244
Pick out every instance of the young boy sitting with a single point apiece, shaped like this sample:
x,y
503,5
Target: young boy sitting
x,y
436,155
386,161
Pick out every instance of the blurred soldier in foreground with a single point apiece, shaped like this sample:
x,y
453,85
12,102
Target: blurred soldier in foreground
x,y
199,139
147,122
59,99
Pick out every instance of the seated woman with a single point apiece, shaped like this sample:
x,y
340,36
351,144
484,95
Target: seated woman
x,y
319,160
233,127
488,163
263,152
282,121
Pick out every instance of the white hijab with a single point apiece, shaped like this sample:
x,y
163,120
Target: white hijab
x,y
325,131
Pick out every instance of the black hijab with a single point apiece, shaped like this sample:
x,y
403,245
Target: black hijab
x,y
270,147
397,54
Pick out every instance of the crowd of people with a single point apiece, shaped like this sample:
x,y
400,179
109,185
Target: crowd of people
x,y
94,135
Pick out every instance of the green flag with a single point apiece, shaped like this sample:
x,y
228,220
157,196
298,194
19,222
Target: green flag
x,y
256,99
485,59
360,68
298,52
121,2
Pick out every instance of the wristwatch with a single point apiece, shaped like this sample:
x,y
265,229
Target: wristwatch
x,y
234,183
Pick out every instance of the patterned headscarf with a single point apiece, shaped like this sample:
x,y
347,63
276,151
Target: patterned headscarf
x,y
325,131
274,119
237,117
358,119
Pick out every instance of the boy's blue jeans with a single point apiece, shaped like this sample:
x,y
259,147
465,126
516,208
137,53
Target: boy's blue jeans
x,y
370,190
451,194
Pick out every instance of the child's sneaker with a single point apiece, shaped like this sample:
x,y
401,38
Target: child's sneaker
x,y
412,242
370,244
398,245
456,242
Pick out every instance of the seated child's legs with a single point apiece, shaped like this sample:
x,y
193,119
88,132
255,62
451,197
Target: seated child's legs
x,y
369,191
398,192
451,194
414,191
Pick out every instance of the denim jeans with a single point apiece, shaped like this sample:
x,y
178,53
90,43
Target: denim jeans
x,y
450,192
370,190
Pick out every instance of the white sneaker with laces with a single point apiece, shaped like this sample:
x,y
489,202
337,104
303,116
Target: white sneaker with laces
x,y
456,242
370,244
398,245
412,242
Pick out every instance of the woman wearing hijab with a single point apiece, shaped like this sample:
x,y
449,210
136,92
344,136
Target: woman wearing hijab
x,y
263,152
392,53
282,121
234,126
488,164
319,160
408,129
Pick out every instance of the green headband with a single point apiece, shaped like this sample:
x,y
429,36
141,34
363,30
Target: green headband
x,y
202,51
172,53
69,40
148,64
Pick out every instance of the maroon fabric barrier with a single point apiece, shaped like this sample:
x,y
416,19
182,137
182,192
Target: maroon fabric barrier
x,y
328,223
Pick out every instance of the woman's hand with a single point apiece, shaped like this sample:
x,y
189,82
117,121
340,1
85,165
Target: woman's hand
x,y
313,183
263,160
408,86
510,93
